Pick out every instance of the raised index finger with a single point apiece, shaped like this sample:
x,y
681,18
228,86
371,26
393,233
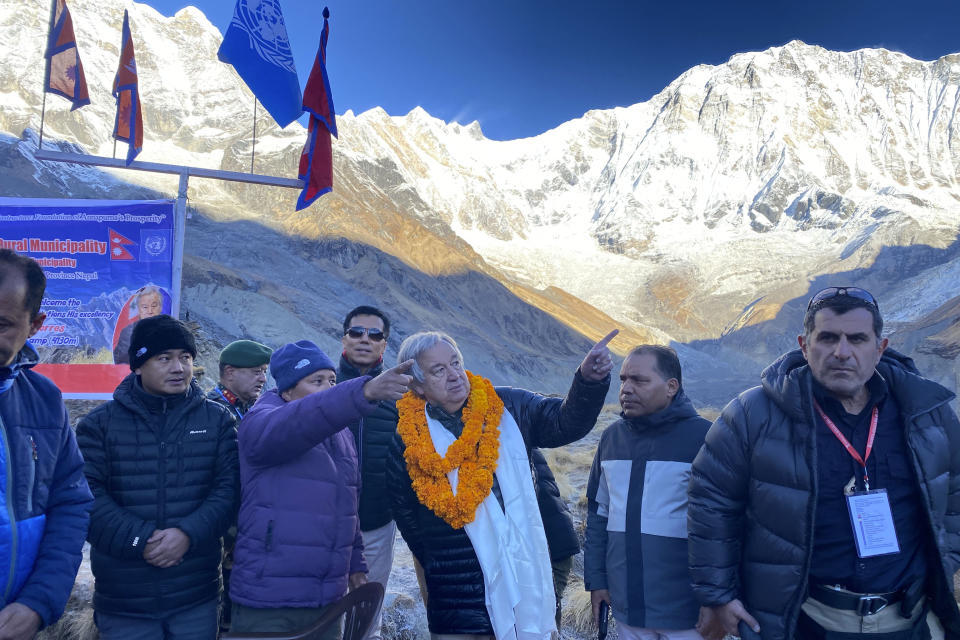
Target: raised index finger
x,y
606,340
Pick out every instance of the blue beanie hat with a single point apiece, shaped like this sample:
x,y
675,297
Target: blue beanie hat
x,y
293,362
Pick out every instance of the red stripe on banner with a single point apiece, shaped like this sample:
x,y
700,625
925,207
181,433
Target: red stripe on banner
x,y
84,378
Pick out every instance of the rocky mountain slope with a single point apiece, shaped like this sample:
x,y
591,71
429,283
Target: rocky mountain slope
x,y
703,217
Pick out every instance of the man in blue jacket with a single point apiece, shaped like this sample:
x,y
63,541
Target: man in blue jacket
x,y
44,522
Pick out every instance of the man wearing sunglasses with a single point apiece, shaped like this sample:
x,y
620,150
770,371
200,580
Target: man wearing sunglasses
x,y
824,503
365,331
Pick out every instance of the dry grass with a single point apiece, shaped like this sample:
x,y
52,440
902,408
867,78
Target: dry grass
x,y
577,613
76,624
710,413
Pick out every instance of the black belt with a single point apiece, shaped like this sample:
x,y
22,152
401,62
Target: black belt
x,y
864,604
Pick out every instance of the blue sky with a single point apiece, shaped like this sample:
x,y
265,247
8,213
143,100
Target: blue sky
x,y
522,67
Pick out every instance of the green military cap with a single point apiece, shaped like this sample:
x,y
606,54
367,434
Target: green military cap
x,y
245,353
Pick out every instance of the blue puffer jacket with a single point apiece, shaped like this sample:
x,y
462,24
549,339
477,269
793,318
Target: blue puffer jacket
x,y
44,498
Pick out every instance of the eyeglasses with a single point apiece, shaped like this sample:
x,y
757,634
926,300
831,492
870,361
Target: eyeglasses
x,y
850,292
376,335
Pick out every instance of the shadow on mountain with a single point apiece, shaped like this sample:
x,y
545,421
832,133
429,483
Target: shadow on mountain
x,y
242,279
900,277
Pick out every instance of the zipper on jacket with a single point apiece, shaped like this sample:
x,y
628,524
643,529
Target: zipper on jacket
x,y
267,545
32,478
161,503
11,513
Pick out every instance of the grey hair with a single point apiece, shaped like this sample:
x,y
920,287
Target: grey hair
x,y
150,289
414,346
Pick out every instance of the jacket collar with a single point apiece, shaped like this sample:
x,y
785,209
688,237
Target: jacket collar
x,y
131,394
788,382
346,371
26,358
679,409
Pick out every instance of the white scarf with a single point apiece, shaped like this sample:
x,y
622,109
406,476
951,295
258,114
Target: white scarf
x,y
510,543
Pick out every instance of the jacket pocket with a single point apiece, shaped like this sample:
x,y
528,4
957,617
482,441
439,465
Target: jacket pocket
x,y
267,547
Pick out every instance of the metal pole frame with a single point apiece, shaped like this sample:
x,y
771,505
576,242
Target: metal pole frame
x,y
180,210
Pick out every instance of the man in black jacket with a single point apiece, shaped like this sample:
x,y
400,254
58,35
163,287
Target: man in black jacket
x,y
483,550
826,503
365,333
161,461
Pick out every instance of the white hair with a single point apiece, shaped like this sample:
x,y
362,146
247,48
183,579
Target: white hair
x,y
414,346
148,290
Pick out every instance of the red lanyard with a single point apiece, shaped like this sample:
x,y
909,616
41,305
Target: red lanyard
x,y
874,417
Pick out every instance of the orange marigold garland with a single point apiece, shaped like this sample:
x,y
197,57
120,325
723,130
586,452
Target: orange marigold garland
x,y
474,453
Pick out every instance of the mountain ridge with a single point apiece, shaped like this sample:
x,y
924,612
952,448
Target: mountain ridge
x,y
696,217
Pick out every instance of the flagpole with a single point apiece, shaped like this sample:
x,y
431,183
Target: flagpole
x,y
43,114
253,150
46,72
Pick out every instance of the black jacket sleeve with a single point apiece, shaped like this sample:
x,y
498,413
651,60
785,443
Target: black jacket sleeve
x,y
715,513
403,500
553,422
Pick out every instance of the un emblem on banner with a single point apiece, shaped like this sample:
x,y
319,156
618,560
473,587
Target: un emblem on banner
x,y
155,245
263,21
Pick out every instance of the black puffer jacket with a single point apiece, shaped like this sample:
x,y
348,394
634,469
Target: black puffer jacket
x,y
557,521
156,463
372,435
753,493
452,571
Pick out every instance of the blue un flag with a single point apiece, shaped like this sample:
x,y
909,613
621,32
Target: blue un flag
x,y
257,46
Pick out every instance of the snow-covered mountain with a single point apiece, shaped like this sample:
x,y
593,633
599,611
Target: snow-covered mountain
x,y
704,216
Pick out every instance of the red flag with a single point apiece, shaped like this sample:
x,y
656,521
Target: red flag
x,y
129,123
316,159
117,249
64,74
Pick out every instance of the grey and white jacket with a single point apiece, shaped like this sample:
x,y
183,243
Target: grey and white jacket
x,y
636,541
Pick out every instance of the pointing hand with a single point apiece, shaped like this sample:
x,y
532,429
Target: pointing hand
x,y
389,385
598,363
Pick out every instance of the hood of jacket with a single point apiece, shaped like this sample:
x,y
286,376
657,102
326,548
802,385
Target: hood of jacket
x,y
26,358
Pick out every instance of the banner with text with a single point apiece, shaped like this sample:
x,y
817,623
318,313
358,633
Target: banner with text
x,y
108,263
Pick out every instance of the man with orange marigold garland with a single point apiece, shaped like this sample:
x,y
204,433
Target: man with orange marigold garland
x,y
463,497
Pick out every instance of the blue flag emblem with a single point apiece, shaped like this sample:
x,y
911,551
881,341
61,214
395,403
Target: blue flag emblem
x,y
257,46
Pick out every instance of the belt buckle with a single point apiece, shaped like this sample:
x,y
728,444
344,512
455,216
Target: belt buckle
x,y
870,605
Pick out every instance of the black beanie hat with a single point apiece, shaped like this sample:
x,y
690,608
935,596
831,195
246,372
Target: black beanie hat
x,y
157,334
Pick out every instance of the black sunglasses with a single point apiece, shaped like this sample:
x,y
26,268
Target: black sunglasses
x,y
850,292
376,335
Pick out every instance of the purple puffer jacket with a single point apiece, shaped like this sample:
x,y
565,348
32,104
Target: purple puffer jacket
x,y
298,534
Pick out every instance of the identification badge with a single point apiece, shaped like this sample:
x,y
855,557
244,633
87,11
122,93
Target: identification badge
x,y
872,523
